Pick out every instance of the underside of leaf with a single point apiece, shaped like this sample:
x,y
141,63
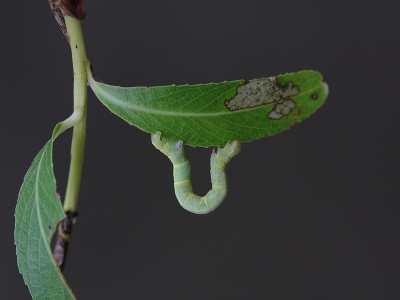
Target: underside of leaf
x,y
216,113
37,214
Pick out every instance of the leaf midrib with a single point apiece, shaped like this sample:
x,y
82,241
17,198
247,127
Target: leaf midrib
x,y
37,201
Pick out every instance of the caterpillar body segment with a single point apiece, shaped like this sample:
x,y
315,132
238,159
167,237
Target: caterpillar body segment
x,y
181,171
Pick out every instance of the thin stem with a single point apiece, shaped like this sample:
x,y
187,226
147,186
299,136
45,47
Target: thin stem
x,y
79,61
78,119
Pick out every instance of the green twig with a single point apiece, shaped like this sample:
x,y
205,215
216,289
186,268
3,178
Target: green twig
x,y
79,62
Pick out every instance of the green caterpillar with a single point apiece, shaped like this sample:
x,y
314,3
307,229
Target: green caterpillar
x,y
182,184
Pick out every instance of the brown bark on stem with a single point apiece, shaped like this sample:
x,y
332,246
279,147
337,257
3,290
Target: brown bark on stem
x,y
63,237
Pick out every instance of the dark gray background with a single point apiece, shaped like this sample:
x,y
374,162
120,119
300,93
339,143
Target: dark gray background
x,y
311,213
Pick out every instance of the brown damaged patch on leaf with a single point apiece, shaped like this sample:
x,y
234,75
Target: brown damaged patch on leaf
x,y
73,8
259,92
298,111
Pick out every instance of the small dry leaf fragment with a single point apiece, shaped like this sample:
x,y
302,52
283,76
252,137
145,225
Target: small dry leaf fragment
x,y
58,15
73,8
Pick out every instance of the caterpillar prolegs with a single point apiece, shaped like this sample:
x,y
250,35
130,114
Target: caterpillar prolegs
x,y
182,184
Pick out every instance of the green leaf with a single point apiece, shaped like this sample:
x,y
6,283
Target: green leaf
x,y
37,214
216,113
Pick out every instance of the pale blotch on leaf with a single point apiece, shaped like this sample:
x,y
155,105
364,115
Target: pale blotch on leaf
x,y
259,92
282,109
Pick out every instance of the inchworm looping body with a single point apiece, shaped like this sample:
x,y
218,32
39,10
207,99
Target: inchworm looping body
x,y
182,184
